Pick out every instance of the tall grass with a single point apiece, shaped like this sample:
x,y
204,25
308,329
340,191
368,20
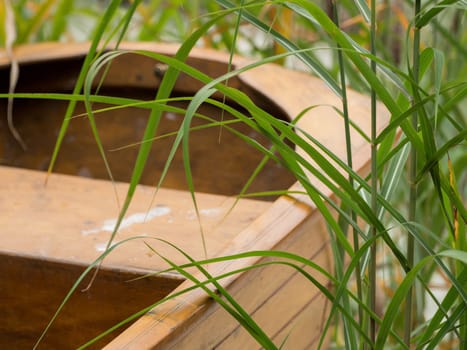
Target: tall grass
x,y
404,223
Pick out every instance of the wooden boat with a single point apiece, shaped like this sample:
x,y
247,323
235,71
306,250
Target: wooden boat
x,y
49,234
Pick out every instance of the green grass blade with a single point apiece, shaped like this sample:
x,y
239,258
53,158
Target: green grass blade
x,y
396,301
234,309
164,91
314,65
362,6
427,17
60,19
78,281
457,315
437,319
35,22
109,13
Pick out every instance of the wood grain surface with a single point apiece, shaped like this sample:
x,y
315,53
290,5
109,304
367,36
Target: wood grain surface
x,y
68,220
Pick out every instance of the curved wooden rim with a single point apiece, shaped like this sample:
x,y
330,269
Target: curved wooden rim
x,y
293,92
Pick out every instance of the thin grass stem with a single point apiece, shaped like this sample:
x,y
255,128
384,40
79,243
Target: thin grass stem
x,y
412,181
374,178
348,143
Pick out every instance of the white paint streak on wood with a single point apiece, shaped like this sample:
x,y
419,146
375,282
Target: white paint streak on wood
x,y
138,218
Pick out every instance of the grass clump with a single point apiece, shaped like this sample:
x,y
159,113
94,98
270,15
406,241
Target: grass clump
x,y
400,229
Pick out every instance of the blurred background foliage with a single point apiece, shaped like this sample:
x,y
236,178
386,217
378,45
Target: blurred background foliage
x,y
175,20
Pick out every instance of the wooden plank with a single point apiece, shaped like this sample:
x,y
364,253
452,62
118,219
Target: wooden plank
x,y
308,325
251,289
72,218
293,92
274,295
178,320
220,166
46,51
280,310
295,298
274,303
32,289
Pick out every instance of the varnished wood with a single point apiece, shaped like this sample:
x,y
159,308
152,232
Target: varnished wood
x,y
71,206
32,289
221,162
275,296
71,219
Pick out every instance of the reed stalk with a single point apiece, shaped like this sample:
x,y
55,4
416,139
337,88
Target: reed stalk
x,y
348,142
408,315
374,179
